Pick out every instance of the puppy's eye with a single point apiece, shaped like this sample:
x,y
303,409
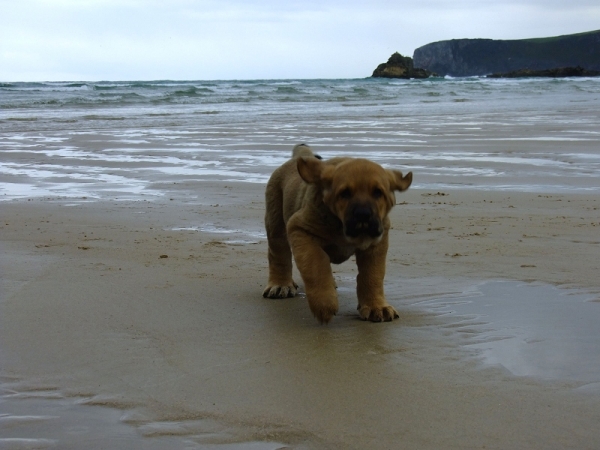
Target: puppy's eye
x,y
377,193
345,194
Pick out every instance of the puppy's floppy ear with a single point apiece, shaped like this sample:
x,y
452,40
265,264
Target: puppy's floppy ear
x,y
313,170
399,182
310,169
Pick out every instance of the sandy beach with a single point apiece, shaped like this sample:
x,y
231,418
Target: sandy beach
x,y
143,322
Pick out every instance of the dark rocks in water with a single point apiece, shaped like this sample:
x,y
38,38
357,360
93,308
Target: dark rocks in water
x,y
477,57
560,72
399,66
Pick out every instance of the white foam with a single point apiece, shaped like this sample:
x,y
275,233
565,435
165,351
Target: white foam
x,y
25,444
218,229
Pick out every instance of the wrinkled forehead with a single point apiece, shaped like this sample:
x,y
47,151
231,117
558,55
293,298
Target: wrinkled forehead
x,y
359,173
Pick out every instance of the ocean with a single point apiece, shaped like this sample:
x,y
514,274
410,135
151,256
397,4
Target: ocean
x,y
147,139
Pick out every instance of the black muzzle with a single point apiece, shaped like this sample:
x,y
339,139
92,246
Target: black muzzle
x,y
361,221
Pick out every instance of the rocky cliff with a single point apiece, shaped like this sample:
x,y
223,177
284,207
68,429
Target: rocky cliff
x,y
471,57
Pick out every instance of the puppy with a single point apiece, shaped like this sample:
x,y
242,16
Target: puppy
x,y
323,212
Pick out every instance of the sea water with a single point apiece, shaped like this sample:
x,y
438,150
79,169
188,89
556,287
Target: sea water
x,y
135,139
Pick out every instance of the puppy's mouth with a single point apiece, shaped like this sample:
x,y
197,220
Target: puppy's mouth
x,y
362,223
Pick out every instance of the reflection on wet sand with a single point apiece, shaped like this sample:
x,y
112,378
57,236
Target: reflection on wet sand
x,y
531,329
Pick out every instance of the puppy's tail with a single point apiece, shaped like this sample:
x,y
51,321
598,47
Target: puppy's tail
x,y
303,150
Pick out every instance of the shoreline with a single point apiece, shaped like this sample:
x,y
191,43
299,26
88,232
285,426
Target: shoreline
x,y
185,344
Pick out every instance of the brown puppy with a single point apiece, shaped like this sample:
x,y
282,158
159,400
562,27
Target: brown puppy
x,y
324,212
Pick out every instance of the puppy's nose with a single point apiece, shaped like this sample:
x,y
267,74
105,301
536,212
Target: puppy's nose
x,y
362,221
362,213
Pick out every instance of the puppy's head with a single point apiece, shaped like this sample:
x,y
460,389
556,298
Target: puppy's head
x,y
358,191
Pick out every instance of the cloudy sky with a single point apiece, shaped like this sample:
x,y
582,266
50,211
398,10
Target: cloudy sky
x,y
56,40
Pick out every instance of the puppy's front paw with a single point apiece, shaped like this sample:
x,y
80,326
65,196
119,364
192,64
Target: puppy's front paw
x,y
324,314
324,310
384,313
280,291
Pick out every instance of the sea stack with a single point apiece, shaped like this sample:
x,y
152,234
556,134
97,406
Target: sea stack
x,y
399,66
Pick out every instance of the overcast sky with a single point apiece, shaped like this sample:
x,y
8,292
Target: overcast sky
x,y
57,40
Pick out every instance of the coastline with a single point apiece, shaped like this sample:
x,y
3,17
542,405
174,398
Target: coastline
x,y
154,308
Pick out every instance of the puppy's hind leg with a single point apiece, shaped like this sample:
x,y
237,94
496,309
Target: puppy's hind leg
x,y
280,284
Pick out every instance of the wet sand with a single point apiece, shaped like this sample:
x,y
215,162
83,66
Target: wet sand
x,y
153,310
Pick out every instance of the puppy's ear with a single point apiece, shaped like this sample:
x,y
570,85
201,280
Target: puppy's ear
x,y
310,169
399,182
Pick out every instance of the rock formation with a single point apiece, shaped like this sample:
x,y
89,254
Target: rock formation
x,y
475,57
399,66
